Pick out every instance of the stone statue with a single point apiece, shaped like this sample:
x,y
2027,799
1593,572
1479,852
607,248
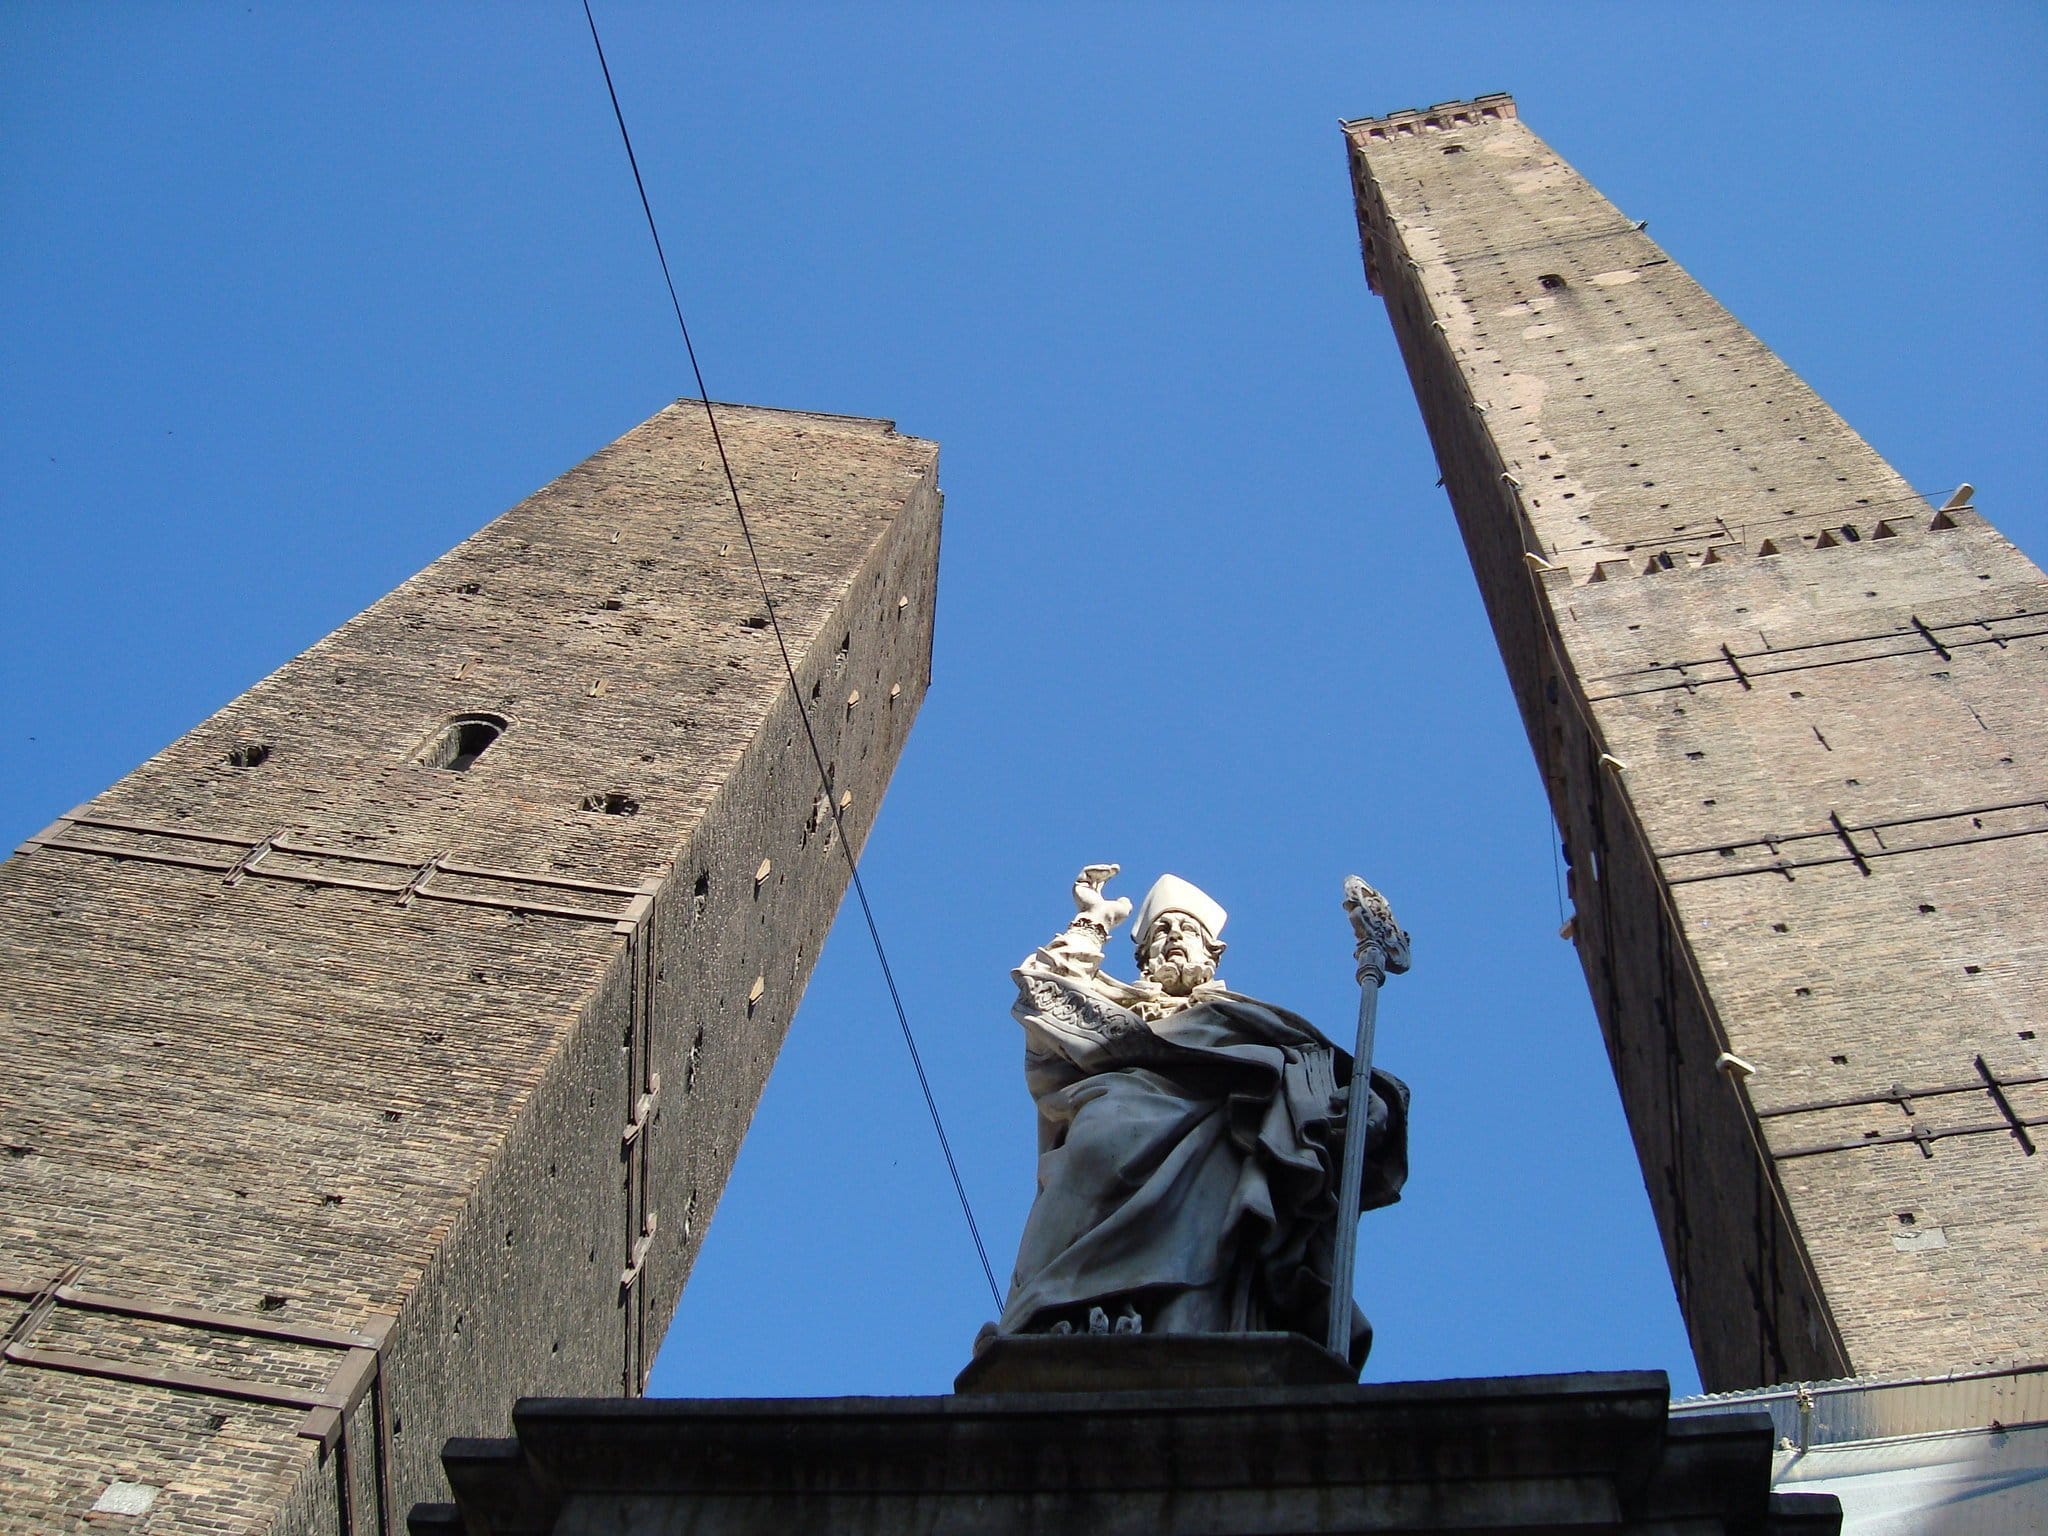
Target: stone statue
x,y
1189,1137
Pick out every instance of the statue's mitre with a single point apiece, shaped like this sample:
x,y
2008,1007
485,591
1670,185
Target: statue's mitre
x,y
1170,893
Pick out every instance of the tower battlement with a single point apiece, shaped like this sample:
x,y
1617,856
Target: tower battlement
x,y
1496,106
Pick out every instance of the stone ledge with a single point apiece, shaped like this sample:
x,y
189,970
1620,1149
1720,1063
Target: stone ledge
x,y
1591,1451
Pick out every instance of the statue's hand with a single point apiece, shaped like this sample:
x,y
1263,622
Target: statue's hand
x,y
1093,907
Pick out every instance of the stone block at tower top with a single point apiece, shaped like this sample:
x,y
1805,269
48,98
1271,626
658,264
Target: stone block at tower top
x,y
607,628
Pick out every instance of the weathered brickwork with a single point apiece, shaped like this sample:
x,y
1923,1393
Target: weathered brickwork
x,y
415,1086
1792,720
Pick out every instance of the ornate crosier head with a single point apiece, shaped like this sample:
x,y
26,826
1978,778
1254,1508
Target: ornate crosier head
x,y
1382,943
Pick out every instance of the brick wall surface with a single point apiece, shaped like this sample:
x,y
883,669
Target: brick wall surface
x,y
344,1076
1791,719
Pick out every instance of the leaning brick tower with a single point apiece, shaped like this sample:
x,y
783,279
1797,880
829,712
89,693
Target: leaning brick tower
x,y
1793,721
377,1051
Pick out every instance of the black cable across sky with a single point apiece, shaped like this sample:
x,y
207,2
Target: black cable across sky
x,y
796,692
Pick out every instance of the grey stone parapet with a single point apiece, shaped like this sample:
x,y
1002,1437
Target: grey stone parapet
x,y
1496,1454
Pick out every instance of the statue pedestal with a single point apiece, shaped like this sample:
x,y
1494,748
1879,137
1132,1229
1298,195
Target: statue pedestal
x,y
1149,1362
1500,1456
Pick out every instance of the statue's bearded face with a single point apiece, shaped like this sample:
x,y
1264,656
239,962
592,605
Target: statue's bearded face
x,y
1178,954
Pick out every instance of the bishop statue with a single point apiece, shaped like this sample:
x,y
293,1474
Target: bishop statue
x,y
1190,1138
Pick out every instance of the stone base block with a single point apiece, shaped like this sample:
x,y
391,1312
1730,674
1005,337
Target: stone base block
x,y
1150,1362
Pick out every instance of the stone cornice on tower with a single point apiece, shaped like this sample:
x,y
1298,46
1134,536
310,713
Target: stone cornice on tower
x,y
1407,123
1491,108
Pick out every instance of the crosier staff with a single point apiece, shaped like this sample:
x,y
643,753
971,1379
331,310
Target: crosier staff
x,y
1382,951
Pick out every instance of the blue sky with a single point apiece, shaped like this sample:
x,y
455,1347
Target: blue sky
x,y
293,298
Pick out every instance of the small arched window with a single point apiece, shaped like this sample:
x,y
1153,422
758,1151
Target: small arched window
x,y
461,742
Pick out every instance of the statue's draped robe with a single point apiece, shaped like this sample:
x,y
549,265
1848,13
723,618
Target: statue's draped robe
x,y
1188,1165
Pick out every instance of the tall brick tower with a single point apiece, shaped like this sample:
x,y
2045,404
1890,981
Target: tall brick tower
x,y
1793,725
376,1052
